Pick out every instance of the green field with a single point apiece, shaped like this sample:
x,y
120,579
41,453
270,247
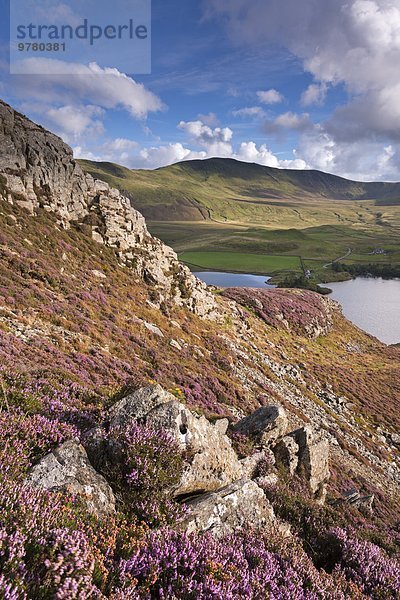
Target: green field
x,y
238,262
256,250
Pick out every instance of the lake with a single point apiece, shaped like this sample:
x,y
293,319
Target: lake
x,y
234,279
371,304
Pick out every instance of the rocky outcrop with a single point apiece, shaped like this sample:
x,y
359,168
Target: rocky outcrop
x,y
302,312
221,492
265,425
287,453
241,504
251,464
37,171
363,502
212,462
307,454
68,469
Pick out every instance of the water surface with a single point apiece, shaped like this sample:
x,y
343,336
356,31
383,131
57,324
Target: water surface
x,y
234,279
372,304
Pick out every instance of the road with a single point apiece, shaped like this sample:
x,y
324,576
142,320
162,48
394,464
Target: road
x,y
340,258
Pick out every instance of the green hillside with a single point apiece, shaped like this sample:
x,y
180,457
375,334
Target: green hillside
x,y
229,190
249,218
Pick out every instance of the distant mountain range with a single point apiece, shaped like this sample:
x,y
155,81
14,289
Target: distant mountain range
x,y
226,189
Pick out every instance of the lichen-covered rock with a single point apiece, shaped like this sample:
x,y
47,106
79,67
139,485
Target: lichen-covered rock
x,y
251,464
137,405
211,461
313,460
37,171
68,469
287,453
265,425
241,504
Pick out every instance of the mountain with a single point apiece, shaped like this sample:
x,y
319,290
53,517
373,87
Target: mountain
x,y
162,439
222,188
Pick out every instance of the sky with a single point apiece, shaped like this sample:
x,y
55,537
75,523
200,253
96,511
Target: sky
x,y
309,84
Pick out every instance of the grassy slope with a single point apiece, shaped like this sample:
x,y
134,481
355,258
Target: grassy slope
x,y
60,324
242,192
223,205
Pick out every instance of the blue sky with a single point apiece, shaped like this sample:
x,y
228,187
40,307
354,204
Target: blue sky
x,y
286,84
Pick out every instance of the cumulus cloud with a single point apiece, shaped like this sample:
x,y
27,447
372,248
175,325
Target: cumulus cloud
x,y
104,87
291,120
249,112
74,121
355,43
287,121
270,97
249,152
216,141
314,94
365,160
211,119
151,158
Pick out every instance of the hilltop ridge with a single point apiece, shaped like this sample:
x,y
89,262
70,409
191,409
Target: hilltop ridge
x,y
222,187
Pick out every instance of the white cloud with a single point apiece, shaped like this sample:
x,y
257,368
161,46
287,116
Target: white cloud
x,y
360,160
74,121
287,122
104,87
355,43
270,97
250,111
216,141
249,152
314,94
151,158
118,151
290,120
211,119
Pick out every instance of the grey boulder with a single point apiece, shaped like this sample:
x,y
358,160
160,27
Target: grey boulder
x,y
266,425
212,463
306,453
68,469
241,504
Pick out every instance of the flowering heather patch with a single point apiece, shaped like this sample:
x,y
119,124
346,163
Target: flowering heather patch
x,y
368,566
150,464
51,548
24,439
177,565
38,555
302,311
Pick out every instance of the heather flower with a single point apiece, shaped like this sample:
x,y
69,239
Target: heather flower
x,y
367,565
150,464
